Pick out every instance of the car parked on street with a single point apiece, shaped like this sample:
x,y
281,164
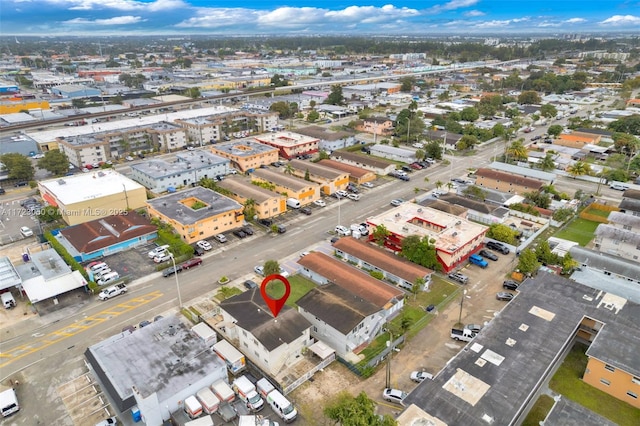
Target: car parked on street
x,y
396,202
343,231
342,193
354,197
367,184
112,291
320,203
504,295
195,261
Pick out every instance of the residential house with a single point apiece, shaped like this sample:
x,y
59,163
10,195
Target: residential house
x,y
106,236
291,187
547,178
357,175
393,153
376,165
85,150
380,126
506,182
329,179
197,213
577,139
456,238
290,145
324,269
273,344
340,319
328,140
401,272
620,237
630,203
246,154
266,203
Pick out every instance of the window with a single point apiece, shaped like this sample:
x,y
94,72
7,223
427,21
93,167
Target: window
x,y
609,367
635,380
605,382
627,227
632,395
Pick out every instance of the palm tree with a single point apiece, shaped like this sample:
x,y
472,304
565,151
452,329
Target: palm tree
x,y
449,186
547,162
249,208
517,151
439,184
288,169
579,168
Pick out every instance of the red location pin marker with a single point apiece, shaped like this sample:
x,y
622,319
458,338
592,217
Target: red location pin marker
x,y
275,304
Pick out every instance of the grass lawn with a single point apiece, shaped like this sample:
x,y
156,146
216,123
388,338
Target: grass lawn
x,y
299,287
539,411
568,382
227,292
601,213
579,230
440,289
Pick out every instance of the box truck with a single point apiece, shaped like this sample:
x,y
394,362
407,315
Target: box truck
x,y
9,402
223,391
264,387
208,400
192,407
246,391
202,421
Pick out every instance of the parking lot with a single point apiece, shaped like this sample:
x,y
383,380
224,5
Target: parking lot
x,y
12,217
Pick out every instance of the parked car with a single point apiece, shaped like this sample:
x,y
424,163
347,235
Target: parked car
x,y
416,166
343,231
320,203
342,193
239,233
457,276
195,261
499,247
204,245
510,285
247,230
364,229
157,251
460,181
354,197
393,395
112,291
197,250
250,284
220,238
420,376
352,188
144,323
305,210
281,229
488,255
367,184
26,231
111,421
504,295
396,202
265,222
163,257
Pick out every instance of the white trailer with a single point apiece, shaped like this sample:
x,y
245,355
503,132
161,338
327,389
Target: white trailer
x,y
9,402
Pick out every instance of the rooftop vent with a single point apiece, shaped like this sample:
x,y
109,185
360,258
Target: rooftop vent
x,y
101,174
62,182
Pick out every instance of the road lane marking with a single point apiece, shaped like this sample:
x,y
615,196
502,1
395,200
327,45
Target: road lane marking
x,y
84,324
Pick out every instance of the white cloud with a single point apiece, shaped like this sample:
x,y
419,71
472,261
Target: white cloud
x,y
574,21
118,20
127,5
621,20
545,24
452,5
474,13
499,23
219,18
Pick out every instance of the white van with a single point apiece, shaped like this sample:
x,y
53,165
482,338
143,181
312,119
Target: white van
x,y
281,406
98,267
108,278
7,300
293,203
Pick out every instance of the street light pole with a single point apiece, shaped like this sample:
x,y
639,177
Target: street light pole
x,y
464,294
175,272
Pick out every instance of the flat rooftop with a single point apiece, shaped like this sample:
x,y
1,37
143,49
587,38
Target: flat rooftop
x,y
87,186
243,148
171,205
46,263
200,158
450,232
493,378
285,139
81,140
163,357
283,180
244,188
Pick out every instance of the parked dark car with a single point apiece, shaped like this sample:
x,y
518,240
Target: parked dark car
x,y
247,230
239,233
171,270
505,296
488,255
21,183
249,284
2,191
510,285
281,229
265,222
407,169
197,250
195,261
499,247
144,323
305,210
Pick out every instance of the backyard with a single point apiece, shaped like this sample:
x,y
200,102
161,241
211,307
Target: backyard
x,y
568,382
579,230
299,287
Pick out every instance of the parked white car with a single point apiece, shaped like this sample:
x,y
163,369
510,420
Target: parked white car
x,y
26,231
367,184
320,203
162,257
343,231
204,245
157,251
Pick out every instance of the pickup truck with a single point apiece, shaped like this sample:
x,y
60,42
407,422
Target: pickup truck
x,y
464,335
112,291
478,260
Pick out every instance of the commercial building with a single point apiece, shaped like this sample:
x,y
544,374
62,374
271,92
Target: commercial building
x,y
329,179
456,238
357,175
290,145
89,196
197,213
547,178
189,168
110,235
265,203
75,91
304,191
246,154
155,368
376,165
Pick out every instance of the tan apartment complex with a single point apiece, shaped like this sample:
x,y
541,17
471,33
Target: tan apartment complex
x,y
266,203
357,175
506,182
246,154
304,191
330,180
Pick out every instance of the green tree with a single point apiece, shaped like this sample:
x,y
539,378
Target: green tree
x,y
380,234
249,208
407,83
529,97
278,80
313,116
323,155
78,103
433,150
55,162
469,114
544,254
625,143
498,130
528,262
288,169
346,410
335,96
193,93
547,162
503,233
283,109
466,142
538,199
554,130
579,168
17,166
568,264
271,267
630,125
420,154
475,192
548,110
517,151
421,251
307,175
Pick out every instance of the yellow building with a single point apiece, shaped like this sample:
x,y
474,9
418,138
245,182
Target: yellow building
x,y
330,180
266,203
246,154
291,187
12,106
90,196
197,213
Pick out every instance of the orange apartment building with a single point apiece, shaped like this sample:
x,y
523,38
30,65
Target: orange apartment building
x,y
357,175
381,126
291,187
330,180
246,154
506,182
266,203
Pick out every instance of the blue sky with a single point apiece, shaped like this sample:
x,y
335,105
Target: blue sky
x,y
86,17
